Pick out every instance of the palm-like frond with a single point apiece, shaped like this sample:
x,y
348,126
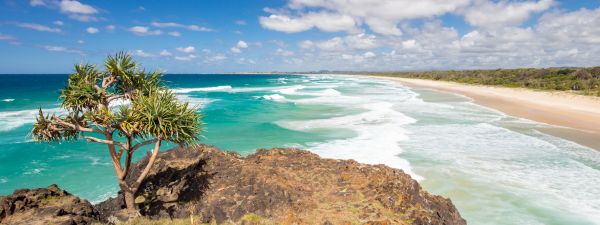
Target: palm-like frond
x,y
45,130
161,115
80,93
154,111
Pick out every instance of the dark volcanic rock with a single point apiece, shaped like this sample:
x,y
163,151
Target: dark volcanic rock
x,y
283,185
45,206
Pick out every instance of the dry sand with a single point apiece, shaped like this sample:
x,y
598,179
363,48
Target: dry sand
x,y
579,115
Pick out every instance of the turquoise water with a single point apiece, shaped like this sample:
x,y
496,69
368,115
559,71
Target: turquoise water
x,y
497,169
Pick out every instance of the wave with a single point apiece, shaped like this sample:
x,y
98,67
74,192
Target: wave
x,y
14,119
274,97
8,99
370,145
204,89
200,102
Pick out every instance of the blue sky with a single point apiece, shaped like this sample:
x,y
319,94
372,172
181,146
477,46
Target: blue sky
x,y
49,36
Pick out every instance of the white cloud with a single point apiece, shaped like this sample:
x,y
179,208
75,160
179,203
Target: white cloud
x,y
487,14
72,6
74,9
240,22
239,46
174,34
581,26
188,49
38,27
242,44
141,53
409,44
381,16
322,21
185,58
165,53
235,50
282,52
334,44
369,55
215,58
58,23
245,61
361,41
144,31
78,11
183,26
80,41
306,44
92,30
53,48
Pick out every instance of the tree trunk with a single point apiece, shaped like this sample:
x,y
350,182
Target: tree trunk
x,y
129,196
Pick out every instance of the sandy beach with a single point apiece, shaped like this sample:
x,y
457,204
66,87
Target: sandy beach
x,y
577,116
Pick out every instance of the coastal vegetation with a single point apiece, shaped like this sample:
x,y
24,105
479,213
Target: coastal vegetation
x,y
585,81
124,108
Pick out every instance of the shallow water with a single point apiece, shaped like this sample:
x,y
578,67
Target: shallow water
x,y
496,169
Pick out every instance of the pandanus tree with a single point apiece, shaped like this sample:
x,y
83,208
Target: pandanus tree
x,y
124,108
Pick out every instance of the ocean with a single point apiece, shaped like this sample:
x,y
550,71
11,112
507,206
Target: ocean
x,y
497,169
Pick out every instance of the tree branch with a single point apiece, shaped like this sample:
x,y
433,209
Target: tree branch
x,y
77,127
141,144
148,166
98,140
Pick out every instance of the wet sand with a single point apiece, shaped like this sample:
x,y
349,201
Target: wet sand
x,y
577,117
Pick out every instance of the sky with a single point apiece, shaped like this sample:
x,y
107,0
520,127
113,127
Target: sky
x,y
217,36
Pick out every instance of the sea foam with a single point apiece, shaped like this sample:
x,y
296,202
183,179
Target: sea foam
x,y
203,89
370,144
10,120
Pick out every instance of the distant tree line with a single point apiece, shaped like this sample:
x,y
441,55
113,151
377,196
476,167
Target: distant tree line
x,y
584,81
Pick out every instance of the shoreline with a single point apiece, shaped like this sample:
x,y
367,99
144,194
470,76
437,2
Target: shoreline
x,y
577,117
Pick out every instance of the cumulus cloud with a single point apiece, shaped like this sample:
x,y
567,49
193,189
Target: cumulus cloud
x,y
488,14
38,27
306,44
381,17
188,49
165,53
191,27
141,53
323,21
581,26
92,30
72,6
239,46
144,31
74,9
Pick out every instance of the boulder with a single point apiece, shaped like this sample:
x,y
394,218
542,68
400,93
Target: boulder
x,y
49,205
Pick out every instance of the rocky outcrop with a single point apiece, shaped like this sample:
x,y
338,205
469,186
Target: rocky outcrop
x,y
288,186
45,206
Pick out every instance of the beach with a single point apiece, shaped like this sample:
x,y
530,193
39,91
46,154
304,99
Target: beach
x,y
576,117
